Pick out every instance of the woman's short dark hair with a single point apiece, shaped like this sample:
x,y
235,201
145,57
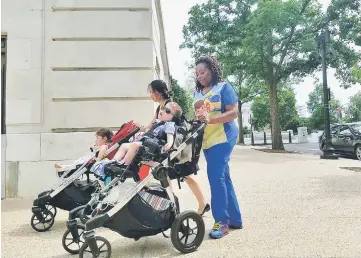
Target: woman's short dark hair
x,y
213,65
161,87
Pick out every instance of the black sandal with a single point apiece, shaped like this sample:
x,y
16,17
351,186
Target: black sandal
x,y
207,208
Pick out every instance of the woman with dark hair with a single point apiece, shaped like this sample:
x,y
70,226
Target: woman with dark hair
x,y
216,104
159,93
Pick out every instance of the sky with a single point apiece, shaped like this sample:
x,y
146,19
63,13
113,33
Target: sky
x,y
175,16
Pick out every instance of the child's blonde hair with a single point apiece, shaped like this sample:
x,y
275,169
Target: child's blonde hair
x,y
176,108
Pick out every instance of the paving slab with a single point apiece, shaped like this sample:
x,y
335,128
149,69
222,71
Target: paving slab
x,y
293,205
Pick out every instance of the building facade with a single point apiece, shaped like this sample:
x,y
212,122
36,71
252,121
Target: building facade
x,y
73,66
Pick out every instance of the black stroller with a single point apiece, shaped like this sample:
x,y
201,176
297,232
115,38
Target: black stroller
x,y
145,209
71,192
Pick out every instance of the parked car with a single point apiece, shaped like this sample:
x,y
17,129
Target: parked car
x,y
345,139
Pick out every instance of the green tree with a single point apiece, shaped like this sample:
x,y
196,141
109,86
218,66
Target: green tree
x,y
260,111
182,97
274,40
305,122
289,119
353,109
316,108
356,74
247,130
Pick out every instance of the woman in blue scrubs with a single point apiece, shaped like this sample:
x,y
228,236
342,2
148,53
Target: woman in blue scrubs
x,y
216,103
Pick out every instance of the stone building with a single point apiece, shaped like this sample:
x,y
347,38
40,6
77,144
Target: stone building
x,y
68,68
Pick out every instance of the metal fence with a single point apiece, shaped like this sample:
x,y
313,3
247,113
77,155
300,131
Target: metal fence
x,y
265,138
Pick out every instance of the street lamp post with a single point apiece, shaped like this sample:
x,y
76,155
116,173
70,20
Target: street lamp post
x,y
323,40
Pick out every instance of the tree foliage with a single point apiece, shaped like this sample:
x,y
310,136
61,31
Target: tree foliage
x,y
356,74
274,40
287,105
183,98
316,108
353,109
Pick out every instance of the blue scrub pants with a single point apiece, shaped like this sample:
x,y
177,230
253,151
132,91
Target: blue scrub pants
x,y
224,202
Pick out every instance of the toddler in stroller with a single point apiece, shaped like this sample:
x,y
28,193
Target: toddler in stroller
x,y
162,133
103,140
145,209
70,192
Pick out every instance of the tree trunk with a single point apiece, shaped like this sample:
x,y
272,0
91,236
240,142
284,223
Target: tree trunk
x,y
277,143
240,124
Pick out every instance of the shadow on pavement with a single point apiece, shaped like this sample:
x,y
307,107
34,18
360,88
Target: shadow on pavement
x,y
25,230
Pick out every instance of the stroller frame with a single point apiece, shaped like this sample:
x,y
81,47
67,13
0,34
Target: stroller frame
x,y
42,209
159,173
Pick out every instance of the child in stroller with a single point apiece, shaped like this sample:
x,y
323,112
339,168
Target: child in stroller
x,y
103,140
70,192
162,132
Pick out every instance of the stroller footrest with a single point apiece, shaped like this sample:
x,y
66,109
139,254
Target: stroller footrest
x,y
96,222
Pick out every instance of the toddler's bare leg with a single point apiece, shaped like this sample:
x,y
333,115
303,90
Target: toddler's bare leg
x,y
121,151
132,151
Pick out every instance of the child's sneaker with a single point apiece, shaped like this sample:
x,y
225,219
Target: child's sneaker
x,y
219,230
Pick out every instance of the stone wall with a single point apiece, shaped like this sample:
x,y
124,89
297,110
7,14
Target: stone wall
x,y
74,66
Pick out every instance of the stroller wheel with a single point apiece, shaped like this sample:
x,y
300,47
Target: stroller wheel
x,y
104,249
187,231
45,223
70,244
51,208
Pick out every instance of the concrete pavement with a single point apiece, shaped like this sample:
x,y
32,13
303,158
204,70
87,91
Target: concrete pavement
x,y
309,147
293,205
